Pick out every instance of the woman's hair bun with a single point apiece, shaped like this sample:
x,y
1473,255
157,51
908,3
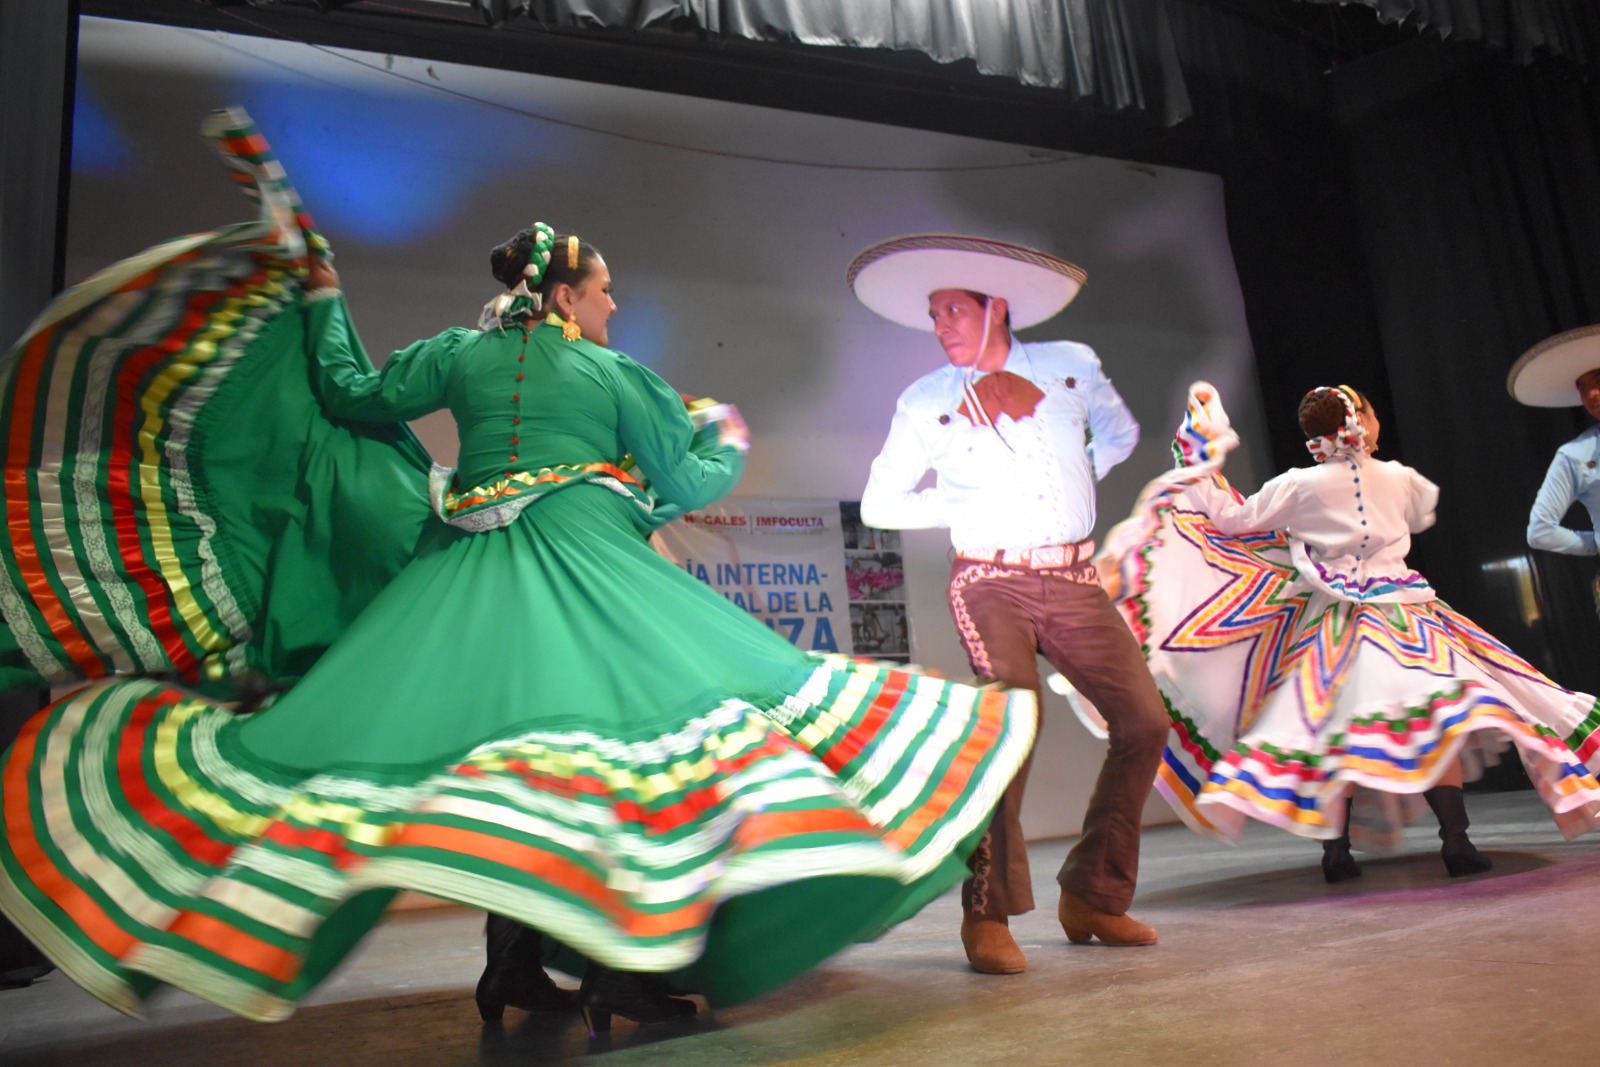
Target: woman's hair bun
x,y
509,261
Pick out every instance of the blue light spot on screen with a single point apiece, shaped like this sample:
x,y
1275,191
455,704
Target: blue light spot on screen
x,y
640,327
98,146
387,169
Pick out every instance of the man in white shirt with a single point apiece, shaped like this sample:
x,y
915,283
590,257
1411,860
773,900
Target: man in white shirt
x,y
1017,435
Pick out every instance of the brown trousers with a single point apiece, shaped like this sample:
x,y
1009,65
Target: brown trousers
x,y
1007,616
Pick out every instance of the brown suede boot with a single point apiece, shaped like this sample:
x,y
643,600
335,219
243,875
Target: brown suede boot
x,y
990,947
1082,921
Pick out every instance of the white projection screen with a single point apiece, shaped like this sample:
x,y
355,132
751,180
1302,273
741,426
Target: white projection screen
x,y
727,229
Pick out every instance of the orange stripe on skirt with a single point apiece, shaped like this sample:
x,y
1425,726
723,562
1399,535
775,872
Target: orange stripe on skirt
x,y
233,944
186,832
558,872
763,827
19,508
850,745
63,891
962,768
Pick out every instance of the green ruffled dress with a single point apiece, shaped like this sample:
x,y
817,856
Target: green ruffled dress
x,y
531,712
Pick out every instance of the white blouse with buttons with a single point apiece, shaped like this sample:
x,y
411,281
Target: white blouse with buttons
x,y
1349,521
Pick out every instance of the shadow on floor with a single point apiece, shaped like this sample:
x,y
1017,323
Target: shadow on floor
x,y
1412,873
438,1028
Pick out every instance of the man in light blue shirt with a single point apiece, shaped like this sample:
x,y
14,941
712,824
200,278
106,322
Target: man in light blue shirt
x,y
1573,478
1564,371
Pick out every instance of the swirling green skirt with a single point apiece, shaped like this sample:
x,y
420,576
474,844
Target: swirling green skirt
x,y
548,721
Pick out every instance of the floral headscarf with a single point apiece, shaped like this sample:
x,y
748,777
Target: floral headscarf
x,y
1349,438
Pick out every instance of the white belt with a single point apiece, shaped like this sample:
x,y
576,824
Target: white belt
x,y
1047,557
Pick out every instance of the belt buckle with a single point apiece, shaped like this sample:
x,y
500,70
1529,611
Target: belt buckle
x,y
1048,556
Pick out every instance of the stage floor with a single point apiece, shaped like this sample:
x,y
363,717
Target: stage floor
x,y
1260,962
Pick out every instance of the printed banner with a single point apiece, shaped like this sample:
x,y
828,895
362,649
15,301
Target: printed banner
x,y
783,561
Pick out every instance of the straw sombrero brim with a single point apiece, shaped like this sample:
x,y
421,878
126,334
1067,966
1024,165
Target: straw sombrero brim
x,y
895,277
1546,375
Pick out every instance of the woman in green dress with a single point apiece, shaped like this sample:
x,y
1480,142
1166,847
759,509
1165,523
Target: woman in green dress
x,y
536,715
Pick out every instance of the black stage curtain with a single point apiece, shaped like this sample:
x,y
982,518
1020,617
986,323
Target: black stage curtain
x,y
1265,118
1475,185
37,48
1525,29
37,45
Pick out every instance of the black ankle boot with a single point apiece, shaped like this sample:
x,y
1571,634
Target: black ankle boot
x,y
1337,863
1460,856
638,997
514,975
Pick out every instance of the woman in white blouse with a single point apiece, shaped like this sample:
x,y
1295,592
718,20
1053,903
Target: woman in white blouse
x,y
1301,656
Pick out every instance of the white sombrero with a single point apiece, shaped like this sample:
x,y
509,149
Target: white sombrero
x,y
1545,376
894,277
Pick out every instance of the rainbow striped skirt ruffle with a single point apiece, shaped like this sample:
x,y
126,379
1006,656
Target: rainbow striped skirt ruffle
x,y
1281,697
141,848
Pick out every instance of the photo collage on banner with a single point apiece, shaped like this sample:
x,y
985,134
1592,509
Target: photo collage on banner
x,y
880,625
806,568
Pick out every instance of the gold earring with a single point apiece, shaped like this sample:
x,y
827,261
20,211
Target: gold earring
x,y
570,330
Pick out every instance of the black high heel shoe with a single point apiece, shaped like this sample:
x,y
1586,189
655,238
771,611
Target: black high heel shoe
x,y
536,994
1337,863
605,993
514,976
1461,857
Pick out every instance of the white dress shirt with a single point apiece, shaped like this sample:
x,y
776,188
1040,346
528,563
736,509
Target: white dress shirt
x,y
1349,521
1023,483
1574,477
